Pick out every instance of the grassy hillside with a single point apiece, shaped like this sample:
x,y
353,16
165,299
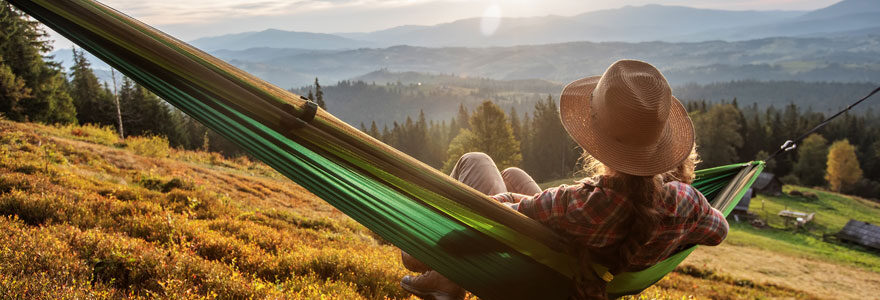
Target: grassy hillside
x,y
88,216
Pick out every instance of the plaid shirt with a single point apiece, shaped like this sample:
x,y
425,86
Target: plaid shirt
x,y
594,217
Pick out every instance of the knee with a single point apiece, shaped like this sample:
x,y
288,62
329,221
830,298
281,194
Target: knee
x,y
475,158
514,174
513,171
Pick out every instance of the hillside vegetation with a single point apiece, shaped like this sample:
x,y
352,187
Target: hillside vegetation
x,y
807,259
86,215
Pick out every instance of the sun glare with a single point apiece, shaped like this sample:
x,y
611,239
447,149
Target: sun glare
x,y
491,20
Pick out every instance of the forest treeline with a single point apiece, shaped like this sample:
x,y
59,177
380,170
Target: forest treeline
x,y
843,156
33,88
385,96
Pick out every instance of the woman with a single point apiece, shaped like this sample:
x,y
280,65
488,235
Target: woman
x,y
634,213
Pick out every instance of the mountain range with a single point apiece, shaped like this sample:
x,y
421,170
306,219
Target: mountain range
x,y
626,24
837,43
844,59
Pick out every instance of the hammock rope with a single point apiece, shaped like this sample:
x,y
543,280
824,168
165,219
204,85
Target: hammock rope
x,y
490,250
792,144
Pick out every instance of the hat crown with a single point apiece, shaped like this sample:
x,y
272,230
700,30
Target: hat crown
x,y
631,103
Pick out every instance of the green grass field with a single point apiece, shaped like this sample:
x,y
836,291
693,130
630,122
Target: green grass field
x,y
832,212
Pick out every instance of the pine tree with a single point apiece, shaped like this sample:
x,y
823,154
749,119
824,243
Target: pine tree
x,y
94,104
490,133
718,134
386,135
144,113
515,125
419,137
551,151
22,43
463,118
319,95
525,143
843,167
812,157
12,92
374,131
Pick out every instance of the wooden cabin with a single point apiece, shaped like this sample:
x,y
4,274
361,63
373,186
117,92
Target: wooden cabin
x,y
768,184
861,233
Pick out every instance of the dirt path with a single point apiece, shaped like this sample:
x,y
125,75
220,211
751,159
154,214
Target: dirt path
x,y
816,277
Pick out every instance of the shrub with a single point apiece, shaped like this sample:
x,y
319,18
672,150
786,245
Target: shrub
x,y
104,135
177,183
151,182
790,179
159,184
311,287
198,204
13,181
35,264
36,209
152,146
866,188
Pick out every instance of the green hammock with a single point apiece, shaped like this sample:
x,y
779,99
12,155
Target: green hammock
x,y
490,250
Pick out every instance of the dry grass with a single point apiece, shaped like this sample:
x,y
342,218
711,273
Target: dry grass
x,y
83,216
817,277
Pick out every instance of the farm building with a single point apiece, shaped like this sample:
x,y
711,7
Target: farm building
x,y
862,233
768,184
743,206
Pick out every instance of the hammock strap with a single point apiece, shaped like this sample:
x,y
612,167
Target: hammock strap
x,y
792,144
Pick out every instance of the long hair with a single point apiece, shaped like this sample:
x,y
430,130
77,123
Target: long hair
x,y
643,195
685,171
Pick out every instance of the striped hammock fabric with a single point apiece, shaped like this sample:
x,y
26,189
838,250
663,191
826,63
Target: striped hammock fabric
x,y
415,207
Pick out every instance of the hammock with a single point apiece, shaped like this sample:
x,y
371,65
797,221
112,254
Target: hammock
x,y
408,203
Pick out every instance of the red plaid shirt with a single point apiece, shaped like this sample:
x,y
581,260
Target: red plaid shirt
x,y
595,218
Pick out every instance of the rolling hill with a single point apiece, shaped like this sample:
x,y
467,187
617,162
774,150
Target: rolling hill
x,y
844,59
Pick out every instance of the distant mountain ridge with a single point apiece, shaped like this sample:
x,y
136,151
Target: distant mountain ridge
x,y
845,18
626,24
644,23
274,38
849,59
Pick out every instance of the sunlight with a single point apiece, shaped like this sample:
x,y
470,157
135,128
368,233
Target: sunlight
x,y
491,20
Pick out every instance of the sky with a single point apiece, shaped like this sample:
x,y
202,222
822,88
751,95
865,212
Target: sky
x,y
192,19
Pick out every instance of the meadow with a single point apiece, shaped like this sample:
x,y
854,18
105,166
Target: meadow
x,y
86,215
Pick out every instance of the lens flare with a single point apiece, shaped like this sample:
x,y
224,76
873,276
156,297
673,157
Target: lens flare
x,y
491,20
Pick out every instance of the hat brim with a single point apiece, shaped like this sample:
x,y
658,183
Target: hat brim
x,y
671,149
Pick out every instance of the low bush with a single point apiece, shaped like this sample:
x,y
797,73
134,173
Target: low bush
x,y
35,264
104,135
36,209
152,146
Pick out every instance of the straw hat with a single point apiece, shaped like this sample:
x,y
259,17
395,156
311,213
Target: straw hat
x,y
628,119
